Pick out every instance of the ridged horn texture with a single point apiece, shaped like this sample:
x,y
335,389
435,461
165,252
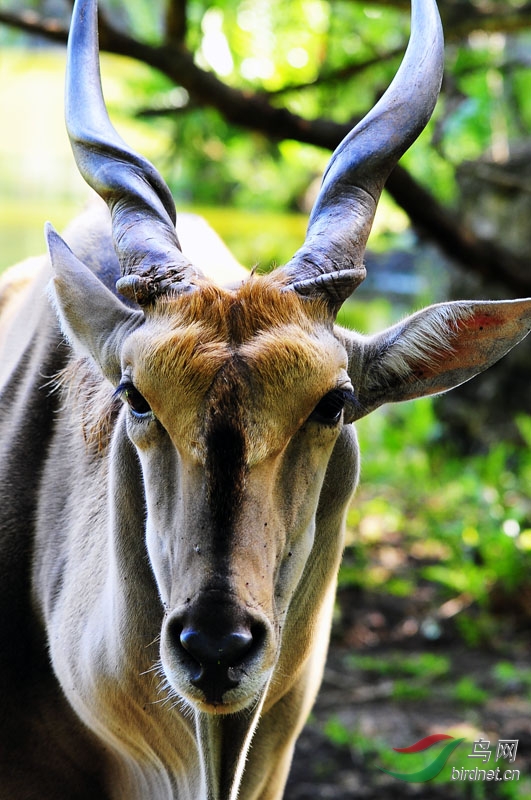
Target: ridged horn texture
x,y
141,205
330,263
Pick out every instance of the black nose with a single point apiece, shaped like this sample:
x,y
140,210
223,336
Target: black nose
x,y
226,650
215,658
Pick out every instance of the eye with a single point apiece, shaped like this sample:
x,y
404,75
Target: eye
x,y
138,404
329,409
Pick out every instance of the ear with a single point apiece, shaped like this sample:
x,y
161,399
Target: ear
x,y
94,321
435,350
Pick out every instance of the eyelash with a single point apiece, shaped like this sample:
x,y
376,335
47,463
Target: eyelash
x,y
329,409
138,405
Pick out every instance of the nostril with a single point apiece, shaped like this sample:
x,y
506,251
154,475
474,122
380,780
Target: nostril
x,y
227,650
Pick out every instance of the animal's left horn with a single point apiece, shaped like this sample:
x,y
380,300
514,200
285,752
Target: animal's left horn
x,y
330,263
141,205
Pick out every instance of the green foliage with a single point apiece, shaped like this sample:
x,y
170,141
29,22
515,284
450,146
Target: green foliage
x,y
429,666
512,678
344,736
257,239
211,162
464,523
366,317
413,676
271,51
379,754
467,692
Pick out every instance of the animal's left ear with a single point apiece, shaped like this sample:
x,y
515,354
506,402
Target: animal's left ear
x,y
94,321
435,350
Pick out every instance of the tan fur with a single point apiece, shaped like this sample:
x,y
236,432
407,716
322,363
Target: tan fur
x,y
284,343
258,304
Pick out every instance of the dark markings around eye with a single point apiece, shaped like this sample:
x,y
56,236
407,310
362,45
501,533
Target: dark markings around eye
x,y
137,403
329,409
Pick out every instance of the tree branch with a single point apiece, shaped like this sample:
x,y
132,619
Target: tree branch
x,y
176,22
31,22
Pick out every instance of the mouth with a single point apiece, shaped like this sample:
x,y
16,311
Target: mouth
x,y
222,709
217,681
212,696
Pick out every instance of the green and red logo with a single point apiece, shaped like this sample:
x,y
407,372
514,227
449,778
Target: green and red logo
x,y
434,767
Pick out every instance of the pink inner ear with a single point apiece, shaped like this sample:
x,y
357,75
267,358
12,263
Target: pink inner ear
x,y
480,321
485,335
505,319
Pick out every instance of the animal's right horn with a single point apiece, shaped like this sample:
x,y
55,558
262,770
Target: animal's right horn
x,y
330,262
141,205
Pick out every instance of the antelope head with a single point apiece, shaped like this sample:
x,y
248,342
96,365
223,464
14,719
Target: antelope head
x,y
238,402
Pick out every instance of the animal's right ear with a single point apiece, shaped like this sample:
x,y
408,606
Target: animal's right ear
x,y
92,318
435,349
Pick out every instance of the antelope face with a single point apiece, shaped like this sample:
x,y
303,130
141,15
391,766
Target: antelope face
x,y
236,399
235,403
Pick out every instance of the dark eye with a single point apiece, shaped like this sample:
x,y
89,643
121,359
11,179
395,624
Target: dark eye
x,y
138,404
329,409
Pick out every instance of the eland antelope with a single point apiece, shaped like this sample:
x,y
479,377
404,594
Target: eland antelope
x,y
177,457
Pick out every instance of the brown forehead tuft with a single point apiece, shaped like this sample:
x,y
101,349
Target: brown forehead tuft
x,y
272,344
234,317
